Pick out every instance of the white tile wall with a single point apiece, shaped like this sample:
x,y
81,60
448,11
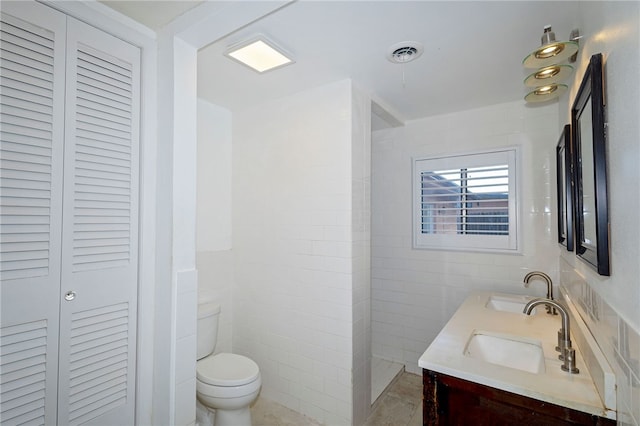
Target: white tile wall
x,y
215,284
293,239
184,346
361,258
214,257
619,342
213,210
415,292
185,397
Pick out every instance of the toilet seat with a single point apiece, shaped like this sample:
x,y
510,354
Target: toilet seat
x,y
227,370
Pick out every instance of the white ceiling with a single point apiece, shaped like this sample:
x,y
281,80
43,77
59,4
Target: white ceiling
x,y
153,14
472,51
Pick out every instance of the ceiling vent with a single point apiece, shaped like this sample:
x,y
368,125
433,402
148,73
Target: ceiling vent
x,y
403,52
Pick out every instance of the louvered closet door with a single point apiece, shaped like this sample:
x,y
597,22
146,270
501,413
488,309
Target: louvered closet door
x,y
31,135
100,223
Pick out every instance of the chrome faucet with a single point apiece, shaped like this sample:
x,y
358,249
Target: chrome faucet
x,y
567,353
527,278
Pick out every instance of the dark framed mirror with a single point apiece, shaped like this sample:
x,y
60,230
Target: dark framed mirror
x,y
590,169
564,153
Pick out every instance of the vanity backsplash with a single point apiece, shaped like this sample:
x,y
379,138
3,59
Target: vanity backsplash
x,y
619,342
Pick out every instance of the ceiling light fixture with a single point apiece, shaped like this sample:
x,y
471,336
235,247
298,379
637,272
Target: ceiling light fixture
x,y
259,54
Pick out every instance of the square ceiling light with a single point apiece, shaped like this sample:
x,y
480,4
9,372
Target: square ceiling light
x,y
259,54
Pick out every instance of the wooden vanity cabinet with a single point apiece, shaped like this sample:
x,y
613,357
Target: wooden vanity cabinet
x,y
449,400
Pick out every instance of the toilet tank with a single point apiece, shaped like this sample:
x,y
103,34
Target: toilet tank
x,y
207,331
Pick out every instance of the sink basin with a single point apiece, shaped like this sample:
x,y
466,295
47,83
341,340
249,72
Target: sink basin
x,y
507,351
509,303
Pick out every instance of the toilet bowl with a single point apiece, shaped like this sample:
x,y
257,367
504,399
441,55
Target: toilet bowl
x,y
226,383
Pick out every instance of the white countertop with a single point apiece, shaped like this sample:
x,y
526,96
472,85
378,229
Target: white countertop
x,y
446,355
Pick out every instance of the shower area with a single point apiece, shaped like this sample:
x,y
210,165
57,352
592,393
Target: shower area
x,y
386,352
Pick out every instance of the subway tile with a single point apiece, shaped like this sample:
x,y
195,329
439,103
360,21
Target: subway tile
x,y
289,373
276,383
335,233
341,415
311,410
634,399
312,382
339,359
337,264
392,353
623,383
331,248
323,369
185,358
337,390
344,376
187,281
185,402
186,313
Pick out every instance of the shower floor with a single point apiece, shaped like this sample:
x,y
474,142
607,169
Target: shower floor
x,y
383,372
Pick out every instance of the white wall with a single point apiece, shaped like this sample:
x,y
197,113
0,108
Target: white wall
x,y
214,257
415,292
292,240
610,304
611,28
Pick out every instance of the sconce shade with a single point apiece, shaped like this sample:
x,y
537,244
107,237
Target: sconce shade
x,y
546,93
548,75
551,52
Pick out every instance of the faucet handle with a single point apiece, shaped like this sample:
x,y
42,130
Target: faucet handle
x,y
560,347
570,361
563,345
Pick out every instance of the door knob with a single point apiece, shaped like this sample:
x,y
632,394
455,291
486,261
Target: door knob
x,y
70,295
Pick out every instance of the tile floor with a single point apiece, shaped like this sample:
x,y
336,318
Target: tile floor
x,y
399,405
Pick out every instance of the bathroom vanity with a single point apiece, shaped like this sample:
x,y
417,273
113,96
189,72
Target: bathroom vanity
x,y
449,400
493,365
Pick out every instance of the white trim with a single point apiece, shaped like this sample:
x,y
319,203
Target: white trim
x,y
148,190
510,244
211,21
105,18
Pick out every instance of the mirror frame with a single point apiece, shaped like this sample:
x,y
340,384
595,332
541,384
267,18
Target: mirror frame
x,y
591,90
564,168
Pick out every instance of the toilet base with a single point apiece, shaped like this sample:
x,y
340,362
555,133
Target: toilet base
x,y
240,417
206,416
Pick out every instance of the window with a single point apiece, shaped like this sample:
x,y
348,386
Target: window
x,y
467,202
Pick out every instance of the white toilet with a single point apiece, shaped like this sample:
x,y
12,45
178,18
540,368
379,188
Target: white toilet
x,y
225,383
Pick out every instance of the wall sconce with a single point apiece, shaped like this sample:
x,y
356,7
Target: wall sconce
x,y
551,51
546,59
